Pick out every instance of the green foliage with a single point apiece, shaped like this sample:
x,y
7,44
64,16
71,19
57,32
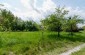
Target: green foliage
x,y
71,23
8,22
31,26
83,27
54,21
59,21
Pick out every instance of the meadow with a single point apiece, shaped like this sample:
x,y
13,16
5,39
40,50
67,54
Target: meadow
x,y
36,43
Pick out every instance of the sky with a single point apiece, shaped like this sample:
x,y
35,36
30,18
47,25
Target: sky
x,y
39,9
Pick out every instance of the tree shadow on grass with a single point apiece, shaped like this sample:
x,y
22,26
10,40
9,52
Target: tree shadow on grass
x,y
73,38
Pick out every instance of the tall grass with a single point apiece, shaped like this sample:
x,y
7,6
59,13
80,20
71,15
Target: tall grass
x,y
32,43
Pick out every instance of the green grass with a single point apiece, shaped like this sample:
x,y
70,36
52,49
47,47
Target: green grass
x,y
32,43
81,52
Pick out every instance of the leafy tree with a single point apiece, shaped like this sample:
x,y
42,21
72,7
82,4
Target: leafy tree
x,y
55,21
9,22
72,24
31,26
17,24
83,27
8,18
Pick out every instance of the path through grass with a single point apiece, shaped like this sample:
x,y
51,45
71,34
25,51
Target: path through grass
x,y
81,52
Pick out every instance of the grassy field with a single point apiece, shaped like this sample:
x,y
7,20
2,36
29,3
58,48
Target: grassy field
x,y
33,43
81,52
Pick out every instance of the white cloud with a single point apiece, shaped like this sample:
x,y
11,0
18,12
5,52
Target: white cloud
x,y
33,11
30,10
6,5
47,8
26,4
17,10
76,11
48,5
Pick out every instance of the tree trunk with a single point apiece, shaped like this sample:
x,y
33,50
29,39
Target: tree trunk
x,y
71,31
59,31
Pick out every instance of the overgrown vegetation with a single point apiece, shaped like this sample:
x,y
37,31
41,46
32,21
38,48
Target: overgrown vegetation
x,y
31,43
9,22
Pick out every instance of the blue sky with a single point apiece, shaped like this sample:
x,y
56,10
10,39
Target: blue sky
x,y
73,3
38,9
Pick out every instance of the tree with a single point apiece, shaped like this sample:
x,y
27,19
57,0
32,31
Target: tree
x,y
9,22
55,21
17,24
8,18
0,14
83,28
31,26
72,24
